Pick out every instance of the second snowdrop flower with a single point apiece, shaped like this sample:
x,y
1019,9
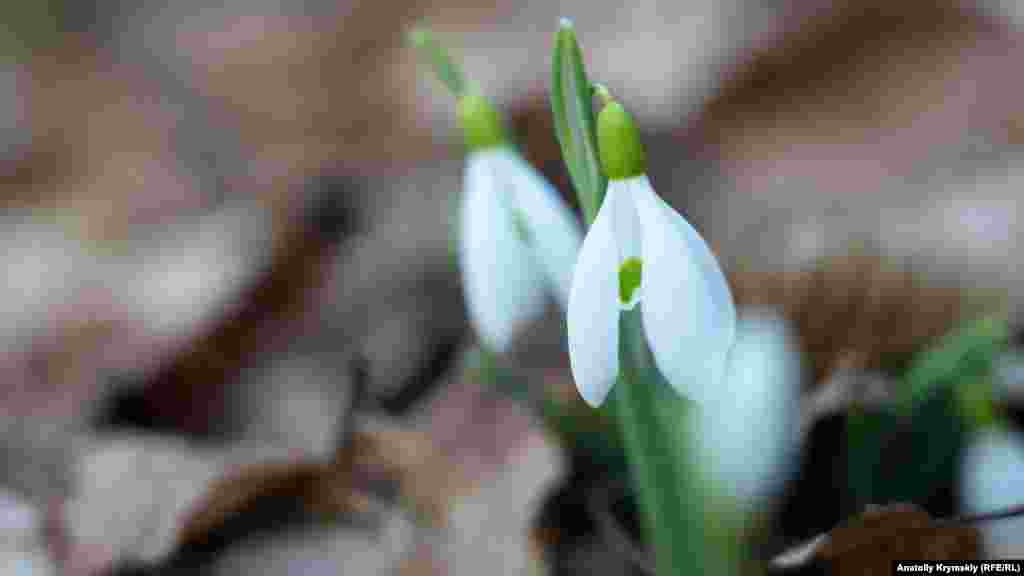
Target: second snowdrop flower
x,y
518,239
639,250
993,479
750,433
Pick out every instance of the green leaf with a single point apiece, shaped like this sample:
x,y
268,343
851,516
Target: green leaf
x,y
575,127
947,394
974,398
894,457
440,60
965,356
865,441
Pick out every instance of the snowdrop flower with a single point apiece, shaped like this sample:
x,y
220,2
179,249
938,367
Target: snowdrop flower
x,y
751,421
517,237
640,250
993,479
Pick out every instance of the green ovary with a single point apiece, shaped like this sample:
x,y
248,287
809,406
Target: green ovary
x,y
629,279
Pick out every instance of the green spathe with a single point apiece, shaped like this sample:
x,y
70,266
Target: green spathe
x,y
481,123
440,60
572,108
618,142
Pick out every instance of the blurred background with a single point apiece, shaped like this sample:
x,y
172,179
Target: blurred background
x,y
219,220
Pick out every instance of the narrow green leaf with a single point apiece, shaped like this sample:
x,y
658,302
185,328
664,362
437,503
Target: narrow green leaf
x,y
575,127
963,356
440,60
894,457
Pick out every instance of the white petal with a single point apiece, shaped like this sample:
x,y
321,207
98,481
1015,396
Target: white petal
x,y
555,232
503,284
688,312
593,313
993,479
626,223
752,420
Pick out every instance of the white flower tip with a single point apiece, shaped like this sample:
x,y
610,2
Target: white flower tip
x,y
993,470
594,396
993,459
497,339
565,23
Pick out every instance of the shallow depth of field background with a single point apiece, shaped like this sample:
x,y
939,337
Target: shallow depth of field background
x,y
215,217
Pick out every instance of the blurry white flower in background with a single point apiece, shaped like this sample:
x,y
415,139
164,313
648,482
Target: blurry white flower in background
x,y
517,241
750,424
993,479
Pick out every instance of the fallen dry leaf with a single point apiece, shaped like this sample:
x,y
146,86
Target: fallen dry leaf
x,y
869,543
326,490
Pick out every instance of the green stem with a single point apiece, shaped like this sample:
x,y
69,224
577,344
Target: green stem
x,y
440,60
659,444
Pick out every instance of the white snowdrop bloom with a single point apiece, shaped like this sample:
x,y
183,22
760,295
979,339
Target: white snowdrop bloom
x,y
517,238
639,250
993,479
751,421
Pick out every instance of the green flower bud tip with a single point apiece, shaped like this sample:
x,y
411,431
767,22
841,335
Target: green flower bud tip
x,y
618,140
482,124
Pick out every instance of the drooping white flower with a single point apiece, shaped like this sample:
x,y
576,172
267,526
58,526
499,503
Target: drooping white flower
x,y
639,250
992,480
751,421
518,239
